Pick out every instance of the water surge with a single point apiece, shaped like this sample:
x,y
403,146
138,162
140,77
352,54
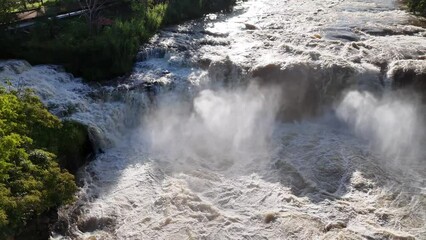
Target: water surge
x,y
283,120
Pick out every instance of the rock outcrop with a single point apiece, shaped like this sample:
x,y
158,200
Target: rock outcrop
x,y
306,86
410,75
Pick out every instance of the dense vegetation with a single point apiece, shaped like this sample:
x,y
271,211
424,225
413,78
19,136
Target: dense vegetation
x,y
98,52
31,180
418,6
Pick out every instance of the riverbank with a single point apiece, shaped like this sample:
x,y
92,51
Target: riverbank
x,y
417,7
105,47
35,160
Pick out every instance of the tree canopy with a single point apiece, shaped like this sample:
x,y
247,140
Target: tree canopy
x,y
6,6
31,181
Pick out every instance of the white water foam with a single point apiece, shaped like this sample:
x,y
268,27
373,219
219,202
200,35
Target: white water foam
x,y
205,159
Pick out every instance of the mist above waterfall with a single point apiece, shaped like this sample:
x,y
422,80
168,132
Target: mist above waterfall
x,y
392,124
219,126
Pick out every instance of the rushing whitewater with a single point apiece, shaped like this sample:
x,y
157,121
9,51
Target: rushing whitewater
x,y
282,120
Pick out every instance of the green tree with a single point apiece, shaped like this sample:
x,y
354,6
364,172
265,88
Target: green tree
x,y
31,181
6,7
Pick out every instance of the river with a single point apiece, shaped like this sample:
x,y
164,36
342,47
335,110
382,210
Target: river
x,y
278,121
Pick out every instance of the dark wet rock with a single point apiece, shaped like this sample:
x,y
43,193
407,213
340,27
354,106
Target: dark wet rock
x,y
270,217
299,96
249,26
224,71
343,36
356,46
204,63
379,32
92,224
407,30
61,226
306,86
335,225
409,75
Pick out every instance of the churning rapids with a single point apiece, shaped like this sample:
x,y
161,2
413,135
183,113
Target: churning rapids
x,y
278,121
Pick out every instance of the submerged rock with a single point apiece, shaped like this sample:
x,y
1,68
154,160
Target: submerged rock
x,y
335,225
92,224
14,66
250,26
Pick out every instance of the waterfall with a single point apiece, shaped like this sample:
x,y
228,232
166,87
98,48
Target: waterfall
x,y
282,120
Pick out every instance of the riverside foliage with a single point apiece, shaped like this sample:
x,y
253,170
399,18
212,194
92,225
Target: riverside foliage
x,y
417,6
31,181
106,51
